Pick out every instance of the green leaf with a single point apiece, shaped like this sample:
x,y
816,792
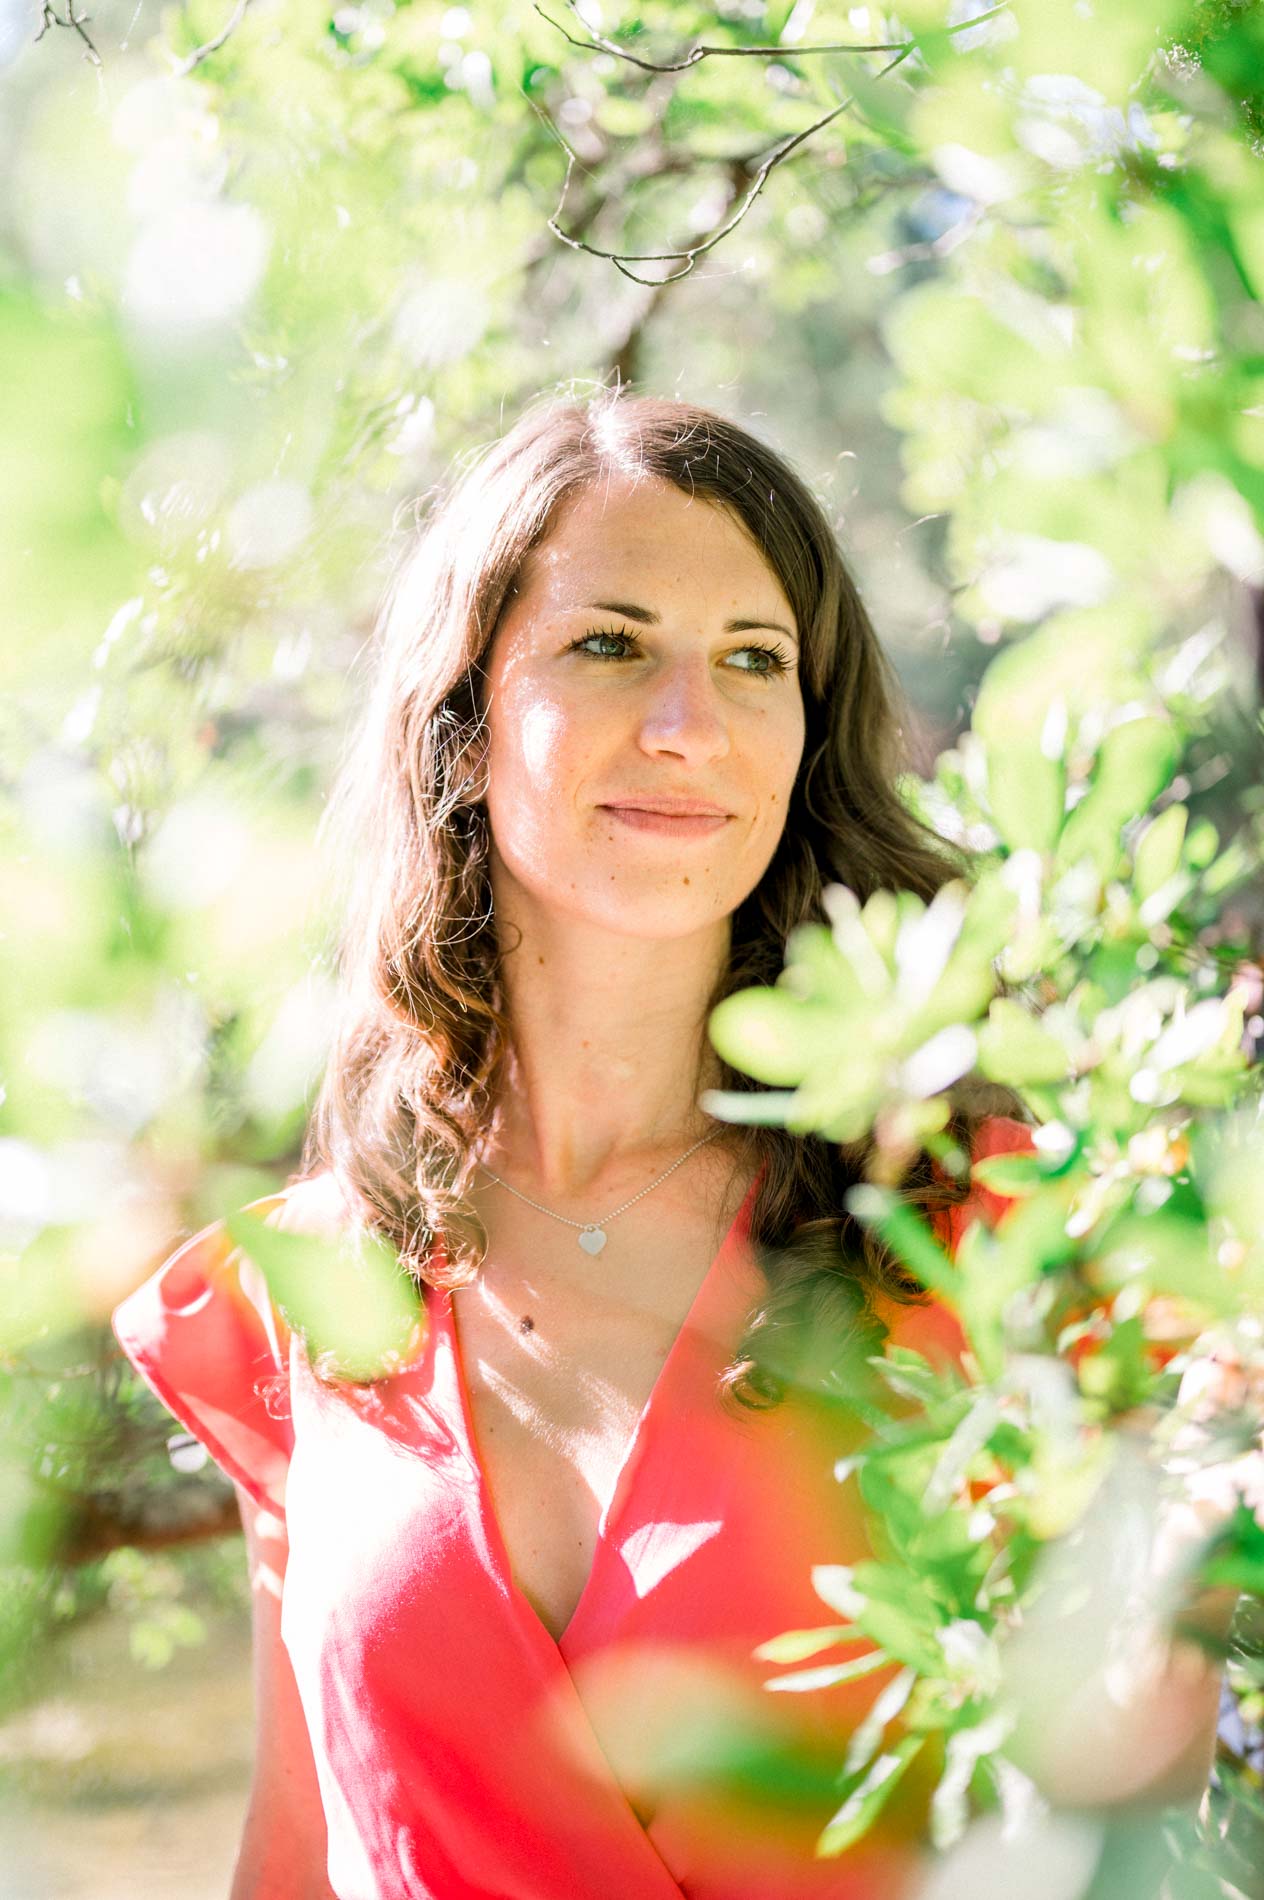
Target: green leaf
x,y
895,1608
868,1797
830,1673
817,970
1135,763
833,1584
770,1034
1011,1175
907,1372
1015,1049
881,917
1162,1254
351,1301
903,1636
1026,794
750,1108
1119,1373
1157,857
1237,1557
867,1736
904,1230
794,1645
1201,844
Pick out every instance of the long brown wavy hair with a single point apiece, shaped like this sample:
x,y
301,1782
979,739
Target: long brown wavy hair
x,y
421,1038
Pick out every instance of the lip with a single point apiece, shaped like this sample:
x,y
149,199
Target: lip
x,y
668,807
690,822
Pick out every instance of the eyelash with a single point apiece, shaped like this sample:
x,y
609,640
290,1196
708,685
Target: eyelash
x,y
777,660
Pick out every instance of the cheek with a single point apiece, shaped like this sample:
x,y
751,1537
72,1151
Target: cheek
x,y
541,742
528,740
781,755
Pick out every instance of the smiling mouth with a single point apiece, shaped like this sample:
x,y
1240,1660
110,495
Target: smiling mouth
x,y
672,824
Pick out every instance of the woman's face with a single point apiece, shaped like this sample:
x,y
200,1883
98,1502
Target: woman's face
x,y
645,721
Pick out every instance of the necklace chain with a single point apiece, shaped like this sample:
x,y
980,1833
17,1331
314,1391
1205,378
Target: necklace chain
x,y
596,1228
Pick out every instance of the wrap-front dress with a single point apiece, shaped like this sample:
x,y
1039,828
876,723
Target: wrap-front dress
x,y
460,1750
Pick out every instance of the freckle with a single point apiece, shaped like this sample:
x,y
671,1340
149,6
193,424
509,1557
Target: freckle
x,y
526,1324
540,960
684,880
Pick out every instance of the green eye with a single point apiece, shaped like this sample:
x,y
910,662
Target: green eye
x,y
620,640
771,661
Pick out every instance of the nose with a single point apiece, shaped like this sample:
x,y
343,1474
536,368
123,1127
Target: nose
x,y
683,717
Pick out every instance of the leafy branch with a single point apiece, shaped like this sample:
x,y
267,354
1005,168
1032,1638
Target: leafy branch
x,y
1128,1259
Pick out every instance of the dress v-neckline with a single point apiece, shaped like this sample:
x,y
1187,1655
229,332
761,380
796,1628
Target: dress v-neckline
x,y
701,1309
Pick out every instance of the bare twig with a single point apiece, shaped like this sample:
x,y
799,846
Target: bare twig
x,y
49,16
626,360
200,53
688,255
691,253
598,42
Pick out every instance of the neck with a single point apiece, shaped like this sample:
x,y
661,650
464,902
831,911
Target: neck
x,y
608,1053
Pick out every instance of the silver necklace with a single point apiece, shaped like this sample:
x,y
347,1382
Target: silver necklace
x,y
592,1234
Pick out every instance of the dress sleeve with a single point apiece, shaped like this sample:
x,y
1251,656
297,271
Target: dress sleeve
x,y
995,1135
203,1333
930,1328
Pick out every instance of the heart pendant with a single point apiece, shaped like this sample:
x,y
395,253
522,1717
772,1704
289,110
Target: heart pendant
x,y
592,1239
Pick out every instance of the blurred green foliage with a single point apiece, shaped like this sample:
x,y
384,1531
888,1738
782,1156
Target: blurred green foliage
x,y
1004,309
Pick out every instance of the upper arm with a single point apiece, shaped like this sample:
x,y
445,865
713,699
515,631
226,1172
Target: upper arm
x,y
285,1840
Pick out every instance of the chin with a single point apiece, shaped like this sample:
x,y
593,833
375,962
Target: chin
x,y
658,915
670,900
608,892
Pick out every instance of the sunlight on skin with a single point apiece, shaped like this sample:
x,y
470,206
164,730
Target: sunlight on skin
x,y
571,1440
599,1410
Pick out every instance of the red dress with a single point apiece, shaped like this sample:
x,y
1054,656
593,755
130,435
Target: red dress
x,y
460,1750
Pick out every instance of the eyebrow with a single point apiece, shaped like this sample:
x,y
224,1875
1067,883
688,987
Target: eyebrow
x,y
648,618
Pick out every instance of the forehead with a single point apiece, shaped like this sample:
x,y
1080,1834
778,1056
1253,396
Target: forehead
x,y
649,532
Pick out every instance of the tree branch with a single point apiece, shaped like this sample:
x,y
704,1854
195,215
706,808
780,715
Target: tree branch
x,y
688,255
691,253
51,17
598,42
92,1530
200,53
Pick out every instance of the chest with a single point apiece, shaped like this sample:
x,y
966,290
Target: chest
x,y
561,1361
447,1722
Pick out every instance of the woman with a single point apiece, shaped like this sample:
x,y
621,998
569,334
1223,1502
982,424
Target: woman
x,y
629,717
